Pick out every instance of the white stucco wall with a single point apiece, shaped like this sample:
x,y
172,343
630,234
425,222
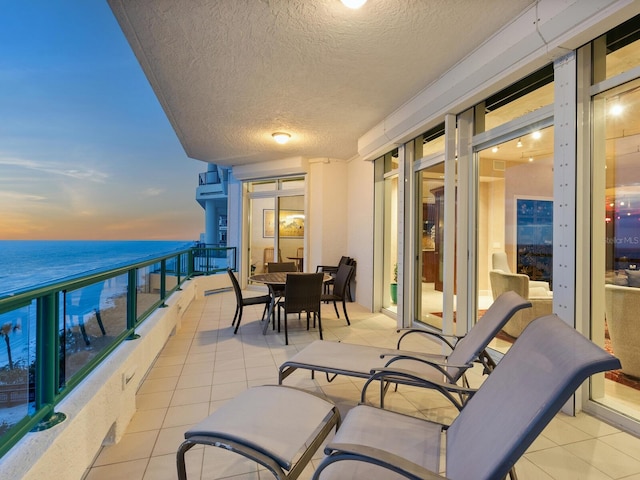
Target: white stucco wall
x,y
328,213
359,205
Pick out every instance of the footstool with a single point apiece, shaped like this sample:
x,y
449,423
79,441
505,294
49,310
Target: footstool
x,y
270,424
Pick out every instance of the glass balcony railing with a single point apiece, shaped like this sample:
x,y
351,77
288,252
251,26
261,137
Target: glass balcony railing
x,y
53,336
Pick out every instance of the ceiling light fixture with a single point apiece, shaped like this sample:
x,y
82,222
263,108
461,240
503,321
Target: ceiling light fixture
x,y
519,144
281,137
495,149
616,110
536,135
353,4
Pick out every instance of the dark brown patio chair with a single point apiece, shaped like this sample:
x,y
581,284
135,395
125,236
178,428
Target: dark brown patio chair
x,y
333,271
242,302
273,267
339,292
281,267
302,293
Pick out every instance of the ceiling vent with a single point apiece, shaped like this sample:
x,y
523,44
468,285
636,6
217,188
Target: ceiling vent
x,y
499,165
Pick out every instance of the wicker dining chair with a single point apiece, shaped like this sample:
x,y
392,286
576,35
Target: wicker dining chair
x,y
302,293
339,293
242,302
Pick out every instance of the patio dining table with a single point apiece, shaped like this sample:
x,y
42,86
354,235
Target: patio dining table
x,y
273,280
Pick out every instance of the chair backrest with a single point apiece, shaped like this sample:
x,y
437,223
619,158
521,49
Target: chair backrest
x,y
344,261
268,256
342,280
281,267
621,306
499,262
476,340
236,286
302,292
525,391
504,282
300,252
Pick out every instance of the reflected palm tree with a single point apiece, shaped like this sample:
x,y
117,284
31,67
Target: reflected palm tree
x,y
6,329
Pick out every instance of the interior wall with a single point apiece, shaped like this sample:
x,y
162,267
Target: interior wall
x,y
525,181
491,225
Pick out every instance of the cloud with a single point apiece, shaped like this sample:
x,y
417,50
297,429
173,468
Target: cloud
x,y
153,192
56,168
21,197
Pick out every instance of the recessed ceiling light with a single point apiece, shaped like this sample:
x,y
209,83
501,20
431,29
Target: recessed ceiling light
x,y
354,3
281,137
536,135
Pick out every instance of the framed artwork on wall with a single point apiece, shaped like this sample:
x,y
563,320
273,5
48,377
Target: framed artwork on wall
x,y
291,223
534,237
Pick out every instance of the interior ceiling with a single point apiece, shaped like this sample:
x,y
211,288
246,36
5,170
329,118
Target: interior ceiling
x,y
229,73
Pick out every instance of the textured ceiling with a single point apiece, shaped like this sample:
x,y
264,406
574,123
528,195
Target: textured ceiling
x,y
231,72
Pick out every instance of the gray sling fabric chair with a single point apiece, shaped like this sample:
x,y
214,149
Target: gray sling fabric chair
x,y
362,361
500,421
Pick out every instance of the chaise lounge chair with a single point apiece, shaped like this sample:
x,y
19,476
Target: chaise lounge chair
x,y
362,361
281,427
498,423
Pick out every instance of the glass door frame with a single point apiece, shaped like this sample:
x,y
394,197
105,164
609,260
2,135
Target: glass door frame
x,y
276,194
536,120
418,167
593,301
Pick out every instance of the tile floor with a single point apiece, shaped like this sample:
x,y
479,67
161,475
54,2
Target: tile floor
x,y
204,365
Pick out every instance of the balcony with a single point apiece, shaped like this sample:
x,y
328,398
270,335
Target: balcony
x,y
76,351
200,364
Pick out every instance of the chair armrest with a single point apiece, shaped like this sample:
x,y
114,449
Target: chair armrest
x,y
539,284
376,456
434,333
414,379
438,363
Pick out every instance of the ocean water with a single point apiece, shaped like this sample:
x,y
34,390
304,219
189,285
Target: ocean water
x,y
29,263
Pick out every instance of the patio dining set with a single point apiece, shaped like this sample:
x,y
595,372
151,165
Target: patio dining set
x,y
293,292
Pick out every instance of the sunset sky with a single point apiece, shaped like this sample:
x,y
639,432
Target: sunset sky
x,y
86,151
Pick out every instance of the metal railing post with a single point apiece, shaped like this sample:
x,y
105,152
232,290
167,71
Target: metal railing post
x,y
132,303
163,282
47,360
